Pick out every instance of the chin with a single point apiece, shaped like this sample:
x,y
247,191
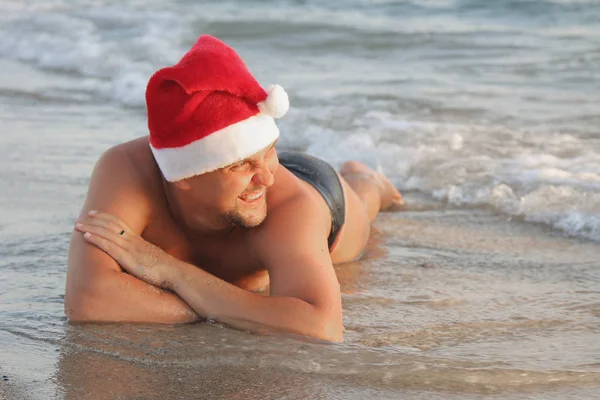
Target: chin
x,y
255,218
248,218
254,222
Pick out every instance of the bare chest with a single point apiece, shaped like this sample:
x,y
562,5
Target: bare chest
x,y
231,260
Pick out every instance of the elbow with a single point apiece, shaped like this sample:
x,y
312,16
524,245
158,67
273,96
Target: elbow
x,y
331,332
78,308
88,306
83,305
329,327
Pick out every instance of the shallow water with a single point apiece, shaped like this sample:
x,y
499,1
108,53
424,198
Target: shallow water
x,y
484,114
508,310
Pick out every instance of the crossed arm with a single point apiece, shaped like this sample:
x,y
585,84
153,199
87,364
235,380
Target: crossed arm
x,y
291,307
304,292
98,290
304,300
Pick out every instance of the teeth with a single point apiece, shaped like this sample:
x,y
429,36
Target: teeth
x,y
252,198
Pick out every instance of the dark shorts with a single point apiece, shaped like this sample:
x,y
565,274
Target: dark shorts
x,y
322,177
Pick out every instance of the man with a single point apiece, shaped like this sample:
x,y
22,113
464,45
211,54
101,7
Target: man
x,y
175,225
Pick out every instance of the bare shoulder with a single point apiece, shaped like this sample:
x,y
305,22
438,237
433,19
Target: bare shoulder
x,y
117,186
122,183
293,204
298,222
292,245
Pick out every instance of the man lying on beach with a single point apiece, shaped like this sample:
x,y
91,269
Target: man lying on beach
x,y
175,225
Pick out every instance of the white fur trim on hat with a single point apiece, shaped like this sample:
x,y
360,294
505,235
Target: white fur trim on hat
x,y
217,150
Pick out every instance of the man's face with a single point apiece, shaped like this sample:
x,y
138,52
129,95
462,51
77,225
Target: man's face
x,y
233,195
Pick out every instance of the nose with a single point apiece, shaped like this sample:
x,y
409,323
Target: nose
x,y
264,176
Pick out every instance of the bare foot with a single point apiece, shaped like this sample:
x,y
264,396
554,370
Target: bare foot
x,y
390,196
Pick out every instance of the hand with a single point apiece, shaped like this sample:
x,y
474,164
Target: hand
x,y
134,254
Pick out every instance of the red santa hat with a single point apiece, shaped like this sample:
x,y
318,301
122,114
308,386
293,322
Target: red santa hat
x,y
207,111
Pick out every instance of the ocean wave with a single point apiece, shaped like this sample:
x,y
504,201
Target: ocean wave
x,y
541,177
403,123
116,47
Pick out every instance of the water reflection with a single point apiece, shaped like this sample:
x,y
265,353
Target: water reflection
x,y
192,361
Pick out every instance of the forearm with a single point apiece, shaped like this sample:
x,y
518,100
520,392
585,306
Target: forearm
x,y
98,290
213,298
113,296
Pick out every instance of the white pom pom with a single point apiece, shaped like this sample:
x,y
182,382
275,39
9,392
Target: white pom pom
x,y
277,102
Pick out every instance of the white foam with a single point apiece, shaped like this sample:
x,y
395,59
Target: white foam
x,y
470,165
110,52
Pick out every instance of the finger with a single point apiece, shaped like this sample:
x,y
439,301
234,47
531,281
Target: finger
x,y
100,222
107,217
105,233
119,254
110,217
100,226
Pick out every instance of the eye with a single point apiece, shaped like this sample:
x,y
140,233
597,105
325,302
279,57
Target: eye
x,y
240,165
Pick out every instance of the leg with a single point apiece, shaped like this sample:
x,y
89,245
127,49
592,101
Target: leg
x,y
366,193
374,189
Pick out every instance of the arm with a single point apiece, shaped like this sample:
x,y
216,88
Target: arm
x,y
305,295
97,289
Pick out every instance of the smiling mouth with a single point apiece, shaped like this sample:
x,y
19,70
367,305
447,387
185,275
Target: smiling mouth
x,y
252,197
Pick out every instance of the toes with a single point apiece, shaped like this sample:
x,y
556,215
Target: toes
x,y
398,199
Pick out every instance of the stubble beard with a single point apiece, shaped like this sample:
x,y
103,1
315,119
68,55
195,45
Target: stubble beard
x,y
237,217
